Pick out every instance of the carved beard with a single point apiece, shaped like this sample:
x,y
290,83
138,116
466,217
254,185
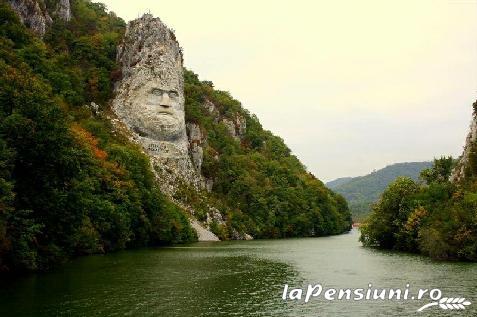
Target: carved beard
x,y
149,119
169,129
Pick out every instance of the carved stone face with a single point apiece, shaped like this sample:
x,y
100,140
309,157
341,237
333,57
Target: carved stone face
x,y
157,111
150,96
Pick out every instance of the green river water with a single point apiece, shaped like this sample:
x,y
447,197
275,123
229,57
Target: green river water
x,y
237,278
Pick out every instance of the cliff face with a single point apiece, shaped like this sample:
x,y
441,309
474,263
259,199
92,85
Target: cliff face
x,y
32,15
208,154
35,15
63,10
459,172
188,134
149,101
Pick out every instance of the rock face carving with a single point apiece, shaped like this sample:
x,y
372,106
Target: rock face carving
x,y
149,101
459,171
150,97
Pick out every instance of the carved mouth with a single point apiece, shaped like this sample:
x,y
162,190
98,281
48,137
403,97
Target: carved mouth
x,y
165,112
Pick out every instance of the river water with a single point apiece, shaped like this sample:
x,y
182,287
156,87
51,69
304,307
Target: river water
x,y
238,278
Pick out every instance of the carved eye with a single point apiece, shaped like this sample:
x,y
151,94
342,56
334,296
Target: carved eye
x,y
156,91
173,94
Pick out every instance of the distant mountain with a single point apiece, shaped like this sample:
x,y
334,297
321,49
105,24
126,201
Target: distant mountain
x,y
362,191
338,182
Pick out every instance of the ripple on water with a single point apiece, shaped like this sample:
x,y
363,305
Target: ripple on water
x,y
239,278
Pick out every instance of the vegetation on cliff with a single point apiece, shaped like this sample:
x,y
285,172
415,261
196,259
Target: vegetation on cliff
x,y
265,189
437,218
71,185
68,185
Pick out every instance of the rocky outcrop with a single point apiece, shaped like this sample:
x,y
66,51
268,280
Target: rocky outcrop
x,y
229,124
63,10
150,99
33,15
458,173
210,107
202,233
241,126
236,127
149,103
196,141
37,17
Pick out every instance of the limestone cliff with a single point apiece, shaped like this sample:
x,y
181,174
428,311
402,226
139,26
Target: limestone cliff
x,y
236,127
149,101
35,14
196,142
459,172
32,14
63,10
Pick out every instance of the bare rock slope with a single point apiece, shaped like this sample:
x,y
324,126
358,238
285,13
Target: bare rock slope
x,y
149,101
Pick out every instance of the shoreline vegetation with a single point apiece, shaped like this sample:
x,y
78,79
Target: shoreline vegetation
x,y
435,217
72,185
362,191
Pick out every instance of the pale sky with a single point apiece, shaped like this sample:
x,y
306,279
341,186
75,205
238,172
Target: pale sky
x,y
351,86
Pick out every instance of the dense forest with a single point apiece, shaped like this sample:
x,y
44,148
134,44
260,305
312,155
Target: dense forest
x,y
437,217
362,191
71,185
68,185
265,189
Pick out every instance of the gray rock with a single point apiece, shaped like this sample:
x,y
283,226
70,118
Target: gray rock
x,y
150,98
235,235
94,107
241,125
194,133
196,141
209,185
197,155
149,103
63,10
210,107
214,215
203,234
236,127
230,125
458,173
32,15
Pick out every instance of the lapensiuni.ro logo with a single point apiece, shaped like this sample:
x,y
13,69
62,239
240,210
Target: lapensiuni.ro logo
x,y
363,294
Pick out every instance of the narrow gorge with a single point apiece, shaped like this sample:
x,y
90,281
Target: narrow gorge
x,y
141,151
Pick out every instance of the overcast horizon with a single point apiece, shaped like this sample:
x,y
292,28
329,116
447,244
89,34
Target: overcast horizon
x,y
351,87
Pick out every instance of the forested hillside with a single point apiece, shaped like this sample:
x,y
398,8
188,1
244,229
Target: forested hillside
x,y
361,192
264,188
437,218
70,184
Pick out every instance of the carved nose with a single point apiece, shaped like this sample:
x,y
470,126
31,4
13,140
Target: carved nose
x,y
165,100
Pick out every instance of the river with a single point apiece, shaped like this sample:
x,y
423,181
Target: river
x,y
238,278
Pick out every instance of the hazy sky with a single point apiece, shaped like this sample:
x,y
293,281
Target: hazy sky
x,y
351,86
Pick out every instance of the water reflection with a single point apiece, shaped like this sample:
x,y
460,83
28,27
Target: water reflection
x,y
234,279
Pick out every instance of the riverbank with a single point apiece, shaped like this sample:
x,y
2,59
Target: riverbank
x,y
233,278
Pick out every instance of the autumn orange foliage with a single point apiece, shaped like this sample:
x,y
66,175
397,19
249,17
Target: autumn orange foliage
x,y
88,140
